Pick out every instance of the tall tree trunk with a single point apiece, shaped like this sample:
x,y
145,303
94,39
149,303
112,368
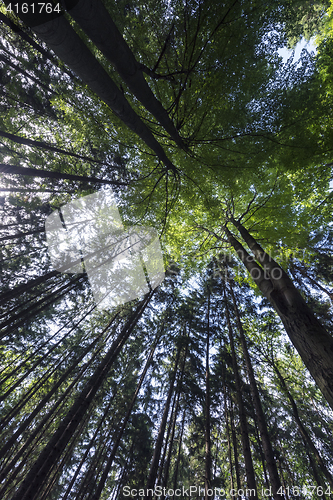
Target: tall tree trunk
x,y
160,437
234,445
208,452
313,343
180,439
304,433
35,436
24,73
266,442
38,348
97,23
91,443
168,460
24,287
226,413
304,272
34,172
250,475
23,426
179,392
17,29
58,467
38,306
97,493
315,473
20,235
166,440
261,453
58,34
34,480
44,145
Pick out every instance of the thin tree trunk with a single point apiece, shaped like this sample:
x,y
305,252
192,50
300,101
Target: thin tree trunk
x,y
261,453
208,452
313,343
180,438
38,347
44,145
283,480
250,475
39,472
305,274
179,391
90,444
34,172
47,488
122,428
166,441
304,433
168,461
26,314
160,437
16,29
39,431
24,305
266,442
24,287
235,446
226,412
19,235
315,473
23,426
97,23
58,34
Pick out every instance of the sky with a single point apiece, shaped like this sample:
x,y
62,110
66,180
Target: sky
x,y
286,53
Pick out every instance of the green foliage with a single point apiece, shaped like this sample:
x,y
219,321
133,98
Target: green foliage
x,y
259,138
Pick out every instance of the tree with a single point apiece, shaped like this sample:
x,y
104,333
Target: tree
x,y
187,110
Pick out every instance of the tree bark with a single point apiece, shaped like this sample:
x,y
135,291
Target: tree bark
x,y
32,484
226,413
179,387
180,438
304,272
44,145
313,343
44,174
234,445
208,452
159,441
23,426
266,442
304,433
20,235
97,493
97,23
166,441
58,34
250,475
16,29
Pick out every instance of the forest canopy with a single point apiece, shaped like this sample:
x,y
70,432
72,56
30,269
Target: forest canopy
x,y
221,377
